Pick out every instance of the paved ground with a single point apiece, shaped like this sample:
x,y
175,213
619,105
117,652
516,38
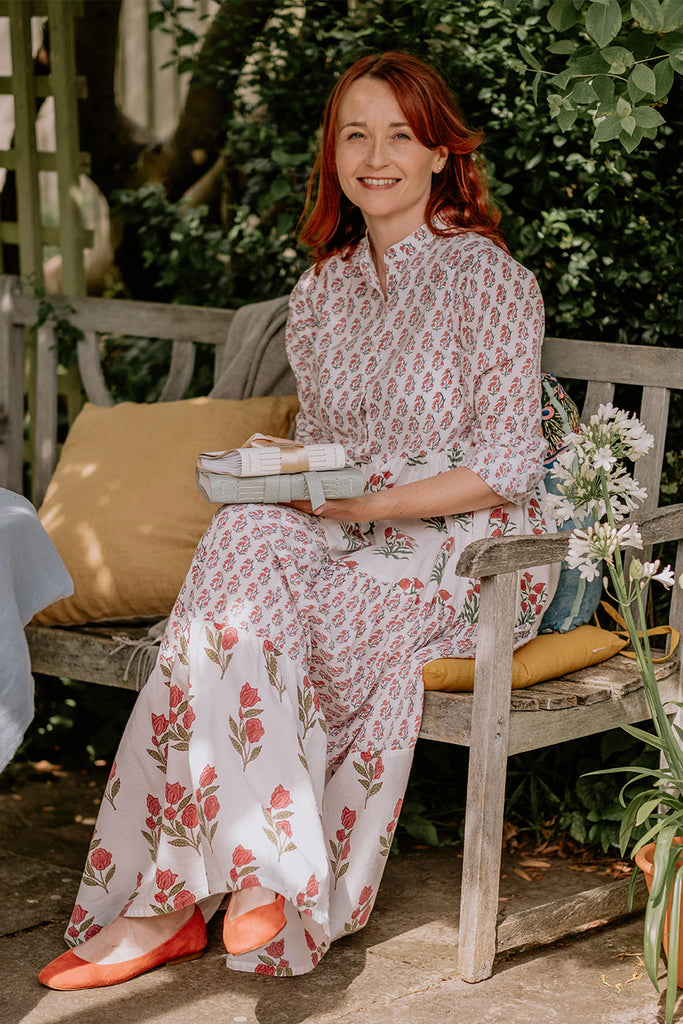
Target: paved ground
x,y
401,969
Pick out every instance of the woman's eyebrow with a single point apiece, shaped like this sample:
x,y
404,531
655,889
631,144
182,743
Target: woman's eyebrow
x,y
363,124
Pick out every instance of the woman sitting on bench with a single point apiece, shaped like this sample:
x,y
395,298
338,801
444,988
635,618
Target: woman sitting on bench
x,y
267,756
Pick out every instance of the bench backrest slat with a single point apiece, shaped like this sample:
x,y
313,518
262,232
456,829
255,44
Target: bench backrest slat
x,y
45,428
134,319
643,365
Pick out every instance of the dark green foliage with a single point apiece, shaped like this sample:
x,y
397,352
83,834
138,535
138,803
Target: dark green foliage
x,y
58,316
75,723
597,225
547,788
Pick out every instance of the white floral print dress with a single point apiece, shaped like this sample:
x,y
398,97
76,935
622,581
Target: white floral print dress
x,y
273,740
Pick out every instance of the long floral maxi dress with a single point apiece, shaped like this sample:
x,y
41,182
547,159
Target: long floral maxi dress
x,y
272,743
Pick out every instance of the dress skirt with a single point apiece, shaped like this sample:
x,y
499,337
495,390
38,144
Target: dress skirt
x,y
273,740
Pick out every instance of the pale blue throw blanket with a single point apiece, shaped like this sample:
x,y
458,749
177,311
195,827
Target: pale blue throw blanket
x,y
32,575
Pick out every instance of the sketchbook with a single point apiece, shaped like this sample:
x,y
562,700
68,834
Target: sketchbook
x,y
263,455
316,487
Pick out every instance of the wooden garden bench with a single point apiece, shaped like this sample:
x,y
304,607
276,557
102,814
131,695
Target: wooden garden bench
x,y
492,722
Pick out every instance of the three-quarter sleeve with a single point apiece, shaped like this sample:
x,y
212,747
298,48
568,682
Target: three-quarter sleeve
x,y
300,343
501,331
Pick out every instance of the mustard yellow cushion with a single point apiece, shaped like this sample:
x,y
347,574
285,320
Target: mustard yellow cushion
x,y
123,509
544,657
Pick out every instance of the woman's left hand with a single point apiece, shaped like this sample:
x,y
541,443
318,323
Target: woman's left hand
x,y
343,510
448,493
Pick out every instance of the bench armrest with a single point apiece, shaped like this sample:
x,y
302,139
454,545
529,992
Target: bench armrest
x,y
492,556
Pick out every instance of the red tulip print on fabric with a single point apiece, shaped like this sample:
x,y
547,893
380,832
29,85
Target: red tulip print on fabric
x,y
370,769
340,846
278,828
99,869
220,645
247,730
272,962
361,912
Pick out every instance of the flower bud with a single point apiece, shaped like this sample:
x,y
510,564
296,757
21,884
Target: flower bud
x,y
635,569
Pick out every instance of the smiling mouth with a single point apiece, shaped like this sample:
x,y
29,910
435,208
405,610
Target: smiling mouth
x,y
378,182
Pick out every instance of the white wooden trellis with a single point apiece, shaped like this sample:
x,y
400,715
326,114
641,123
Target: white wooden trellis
x,y
29,233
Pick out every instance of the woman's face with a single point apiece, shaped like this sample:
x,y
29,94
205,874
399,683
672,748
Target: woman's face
x,y
382,167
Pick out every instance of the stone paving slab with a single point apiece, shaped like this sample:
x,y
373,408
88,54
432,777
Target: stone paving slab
x,y
401,969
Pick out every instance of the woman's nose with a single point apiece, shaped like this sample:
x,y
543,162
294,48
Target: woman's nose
x,y
376,155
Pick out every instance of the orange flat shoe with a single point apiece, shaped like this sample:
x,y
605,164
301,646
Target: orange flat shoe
x,y
254,929
68,972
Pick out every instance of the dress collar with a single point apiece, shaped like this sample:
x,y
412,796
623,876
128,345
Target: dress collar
x,y
398,254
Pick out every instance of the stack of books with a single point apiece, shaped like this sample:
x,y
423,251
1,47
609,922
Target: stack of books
x,y
275,470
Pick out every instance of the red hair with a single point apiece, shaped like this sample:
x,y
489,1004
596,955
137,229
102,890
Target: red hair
x,y
459,196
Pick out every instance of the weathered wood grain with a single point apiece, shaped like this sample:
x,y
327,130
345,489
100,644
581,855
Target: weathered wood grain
x,y
492,555
90,369
136,319
598,393
570,916
11,395
486,780
45,412
87,654
643,365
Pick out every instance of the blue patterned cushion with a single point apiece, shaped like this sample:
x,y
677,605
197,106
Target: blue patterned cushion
x,y
576,600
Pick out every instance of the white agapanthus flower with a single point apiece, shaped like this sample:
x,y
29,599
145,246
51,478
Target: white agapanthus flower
x,y
646,571
588,548
591,479
604,459
589,474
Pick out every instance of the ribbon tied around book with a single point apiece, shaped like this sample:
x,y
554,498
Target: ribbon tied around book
x,y
293,456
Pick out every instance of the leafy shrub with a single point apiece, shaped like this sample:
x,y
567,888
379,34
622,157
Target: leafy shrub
x,y
597,225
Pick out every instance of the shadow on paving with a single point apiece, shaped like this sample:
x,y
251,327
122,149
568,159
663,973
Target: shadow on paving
x,y
401,968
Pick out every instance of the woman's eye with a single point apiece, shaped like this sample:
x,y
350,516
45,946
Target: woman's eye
x,y
401,135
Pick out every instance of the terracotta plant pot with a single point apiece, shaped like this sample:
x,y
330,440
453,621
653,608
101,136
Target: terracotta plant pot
x,y
644,858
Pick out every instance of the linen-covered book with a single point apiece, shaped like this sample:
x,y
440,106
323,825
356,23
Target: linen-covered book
x,y
226,489
263,455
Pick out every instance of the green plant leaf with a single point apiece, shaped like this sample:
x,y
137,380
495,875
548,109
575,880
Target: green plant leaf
x,y
604,88
528,58
676,60
672,15
566,118
607,129
664,862
674,943
561,80
646,809
644,78
593,63
563,15
563,46
155,19
619,58
603,21
583,92
647,117
664,79
648,14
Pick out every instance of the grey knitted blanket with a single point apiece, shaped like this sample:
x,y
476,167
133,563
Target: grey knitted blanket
x,y
253,361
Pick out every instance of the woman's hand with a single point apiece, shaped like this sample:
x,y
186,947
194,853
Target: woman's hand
x,y
449,493
343,510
